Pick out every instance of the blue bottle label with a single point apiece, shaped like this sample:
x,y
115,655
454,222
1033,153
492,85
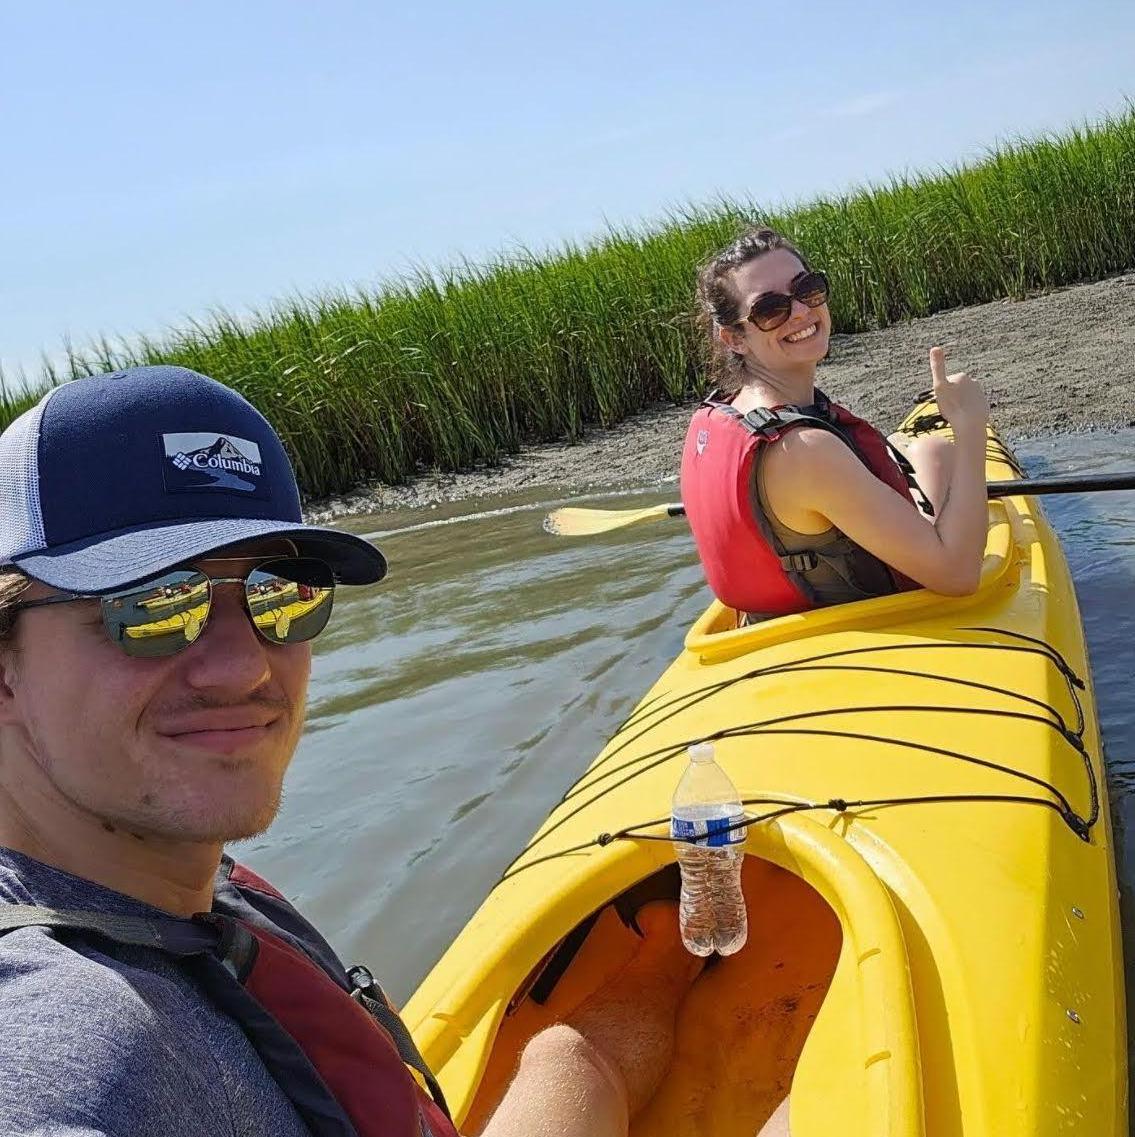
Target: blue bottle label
x,y
715,832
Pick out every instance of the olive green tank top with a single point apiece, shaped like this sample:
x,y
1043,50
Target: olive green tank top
x,y
844,572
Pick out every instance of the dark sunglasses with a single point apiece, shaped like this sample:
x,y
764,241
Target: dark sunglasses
x,y
288,600
773,308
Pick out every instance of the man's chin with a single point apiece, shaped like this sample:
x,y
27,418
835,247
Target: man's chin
x,y
241,828
217,823
235,823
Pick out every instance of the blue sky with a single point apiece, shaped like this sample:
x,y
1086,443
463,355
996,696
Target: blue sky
x,y
163,159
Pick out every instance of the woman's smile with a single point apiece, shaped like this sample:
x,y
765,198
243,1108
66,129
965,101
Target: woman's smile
x,y
803,333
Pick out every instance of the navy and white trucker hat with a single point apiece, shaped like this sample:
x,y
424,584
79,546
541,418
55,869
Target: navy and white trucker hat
x,y
115,478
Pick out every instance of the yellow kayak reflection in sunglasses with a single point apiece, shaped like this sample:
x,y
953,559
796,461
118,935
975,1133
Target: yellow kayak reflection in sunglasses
x,y
173,609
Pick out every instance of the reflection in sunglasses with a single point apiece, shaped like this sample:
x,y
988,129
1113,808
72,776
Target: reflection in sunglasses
x,y
277,603
169,614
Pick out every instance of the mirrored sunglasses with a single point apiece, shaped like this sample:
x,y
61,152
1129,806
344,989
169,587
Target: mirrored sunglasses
x,y
288,600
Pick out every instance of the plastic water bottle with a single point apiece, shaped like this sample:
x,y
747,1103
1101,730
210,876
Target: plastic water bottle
x,y
712,908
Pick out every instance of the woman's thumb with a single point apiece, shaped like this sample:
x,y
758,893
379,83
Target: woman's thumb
x,y
938,366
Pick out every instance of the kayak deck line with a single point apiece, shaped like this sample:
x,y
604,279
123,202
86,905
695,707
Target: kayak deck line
x,y
1056,722
822,662
1080,823
1027,645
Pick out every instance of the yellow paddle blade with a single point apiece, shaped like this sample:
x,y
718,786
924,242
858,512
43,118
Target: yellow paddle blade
x,y
576,521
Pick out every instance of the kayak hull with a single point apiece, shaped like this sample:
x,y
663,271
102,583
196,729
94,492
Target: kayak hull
x,y
934,937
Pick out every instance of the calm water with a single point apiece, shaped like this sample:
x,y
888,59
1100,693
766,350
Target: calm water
x,y
454,703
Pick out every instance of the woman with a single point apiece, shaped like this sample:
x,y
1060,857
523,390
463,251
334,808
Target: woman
x,y
793,501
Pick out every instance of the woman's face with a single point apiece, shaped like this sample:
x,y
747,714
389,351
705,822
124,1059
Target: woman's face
x,y
801,339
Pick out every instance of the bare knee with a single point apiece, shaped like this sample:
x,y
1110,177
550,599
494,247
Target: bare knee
x,y
556,1043
563,1086
931,448
561,1048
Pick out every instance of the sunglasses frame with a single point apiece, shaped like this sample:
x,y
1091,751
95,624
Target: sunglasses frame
x,y
109,623
786,299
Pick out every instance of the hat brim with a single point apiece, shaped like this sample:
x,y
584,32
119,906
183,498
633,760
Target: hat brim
x,y
107,563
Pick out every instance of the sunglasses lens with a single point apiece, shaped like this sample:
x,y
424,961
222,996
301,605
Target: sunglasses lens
x,y
158,618
813,289
290,599
770,311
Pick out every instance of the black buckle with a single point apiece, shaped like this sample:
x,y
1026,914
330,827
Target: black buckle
x,y
799,562
763,421
361,979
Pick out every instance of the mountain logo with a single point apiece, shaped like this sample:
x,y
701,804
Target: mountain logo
x,y
203,460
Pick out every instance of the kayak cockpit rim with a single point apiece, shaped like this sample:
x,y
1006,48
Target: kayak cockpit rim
x,y
873,971
714,636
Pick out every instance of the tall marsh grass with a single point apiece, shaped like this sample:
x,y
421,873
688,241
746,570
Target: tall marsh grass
x,y
459,367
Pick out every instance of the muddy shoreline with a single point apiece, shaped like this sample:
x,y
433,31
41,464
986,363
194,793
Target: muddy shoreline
x,y
1060,362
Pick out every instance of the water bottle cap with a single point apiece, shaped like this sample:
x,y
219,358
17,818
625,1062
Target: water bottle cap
x,y
701,752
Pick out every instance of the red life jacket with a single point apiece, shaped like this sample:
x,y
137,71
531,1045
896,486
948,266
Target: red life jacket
x,y
328,1036
745,565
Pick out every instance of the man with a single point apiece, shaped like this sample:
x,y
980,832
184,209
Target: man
x,y
158,595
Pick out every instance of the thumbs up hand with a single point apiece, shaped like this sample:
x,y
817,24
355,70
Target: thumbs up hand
x,y
960,398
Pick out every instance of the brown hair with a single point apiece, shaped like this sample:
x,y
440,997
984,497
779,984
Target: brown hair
x,y
12,584
719,305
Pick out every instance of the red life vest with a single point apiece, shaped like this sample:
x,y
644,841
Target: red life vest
x,y
745,565
328,1036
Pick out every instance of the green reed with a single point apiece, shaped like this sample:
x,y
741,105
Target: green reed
x,y
459,367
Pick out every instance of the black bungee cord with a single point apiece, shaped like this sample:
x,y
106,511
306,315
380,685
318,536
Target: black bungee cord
x,y
1080,825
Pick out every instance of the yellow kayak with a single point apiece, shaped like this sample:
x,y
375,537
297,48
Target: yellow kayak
x,y
271,614
934,933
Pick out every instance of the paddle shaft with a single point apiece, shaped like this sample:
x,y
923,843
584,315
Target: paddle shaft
x,y
1089,483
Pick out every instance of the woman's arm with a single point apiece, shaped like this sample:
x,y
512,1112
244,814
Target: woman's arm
x,y
813,480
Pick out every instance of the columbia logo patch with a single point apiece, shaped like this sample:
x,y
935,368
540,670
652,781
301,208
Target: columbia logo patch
x,y
702,441
204,461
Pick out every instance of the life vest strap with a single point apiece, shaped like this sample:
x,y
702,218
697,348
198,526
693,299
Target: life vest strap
x,y
366,991
138,931
770,422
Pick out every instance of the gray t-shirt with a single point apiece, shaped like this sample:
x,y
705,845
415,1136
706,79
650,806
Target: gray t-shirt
x,y
123,1045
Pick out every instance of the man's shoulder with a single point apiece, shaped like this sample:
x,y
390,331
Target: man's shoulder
x,y
76,974
107,1038
89,1041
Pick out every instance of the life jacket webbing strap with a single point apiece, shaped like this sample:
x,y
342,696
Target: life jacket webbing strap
x,y
770,423
139,931
373,998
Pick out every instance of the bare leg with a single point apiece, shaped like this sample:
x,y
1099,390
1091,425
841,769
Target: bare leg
x,y
587,1077
932,457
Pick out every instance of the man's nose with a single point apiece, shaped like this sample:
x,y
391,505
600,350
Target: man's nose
x,y
230,652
